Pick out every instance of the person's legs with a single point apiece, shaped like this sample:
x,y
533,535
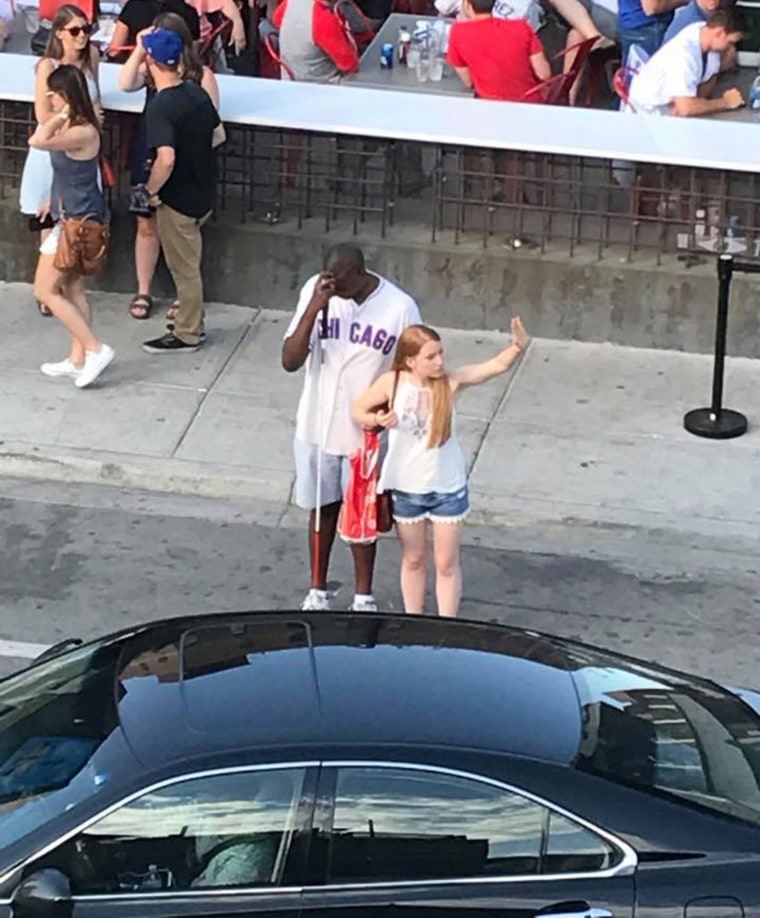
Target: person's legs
x,y
74,290
147,250
309,465
413,577
448,571
578,18
180,238
364,569
48,287
328,526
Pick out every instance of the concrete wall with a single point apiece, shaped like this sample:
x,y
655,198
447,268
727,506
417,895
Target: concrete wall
x,y
463,286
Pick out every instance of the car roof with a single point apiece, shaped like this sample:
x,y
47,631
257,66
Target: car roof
x,y
206,685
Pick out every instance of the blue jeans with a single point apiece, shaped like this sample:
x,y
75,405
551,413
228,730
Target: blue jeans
x,y
648,36
433,506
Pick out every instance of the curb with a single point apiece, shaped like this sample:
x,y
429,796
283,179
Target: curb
x,y
275,487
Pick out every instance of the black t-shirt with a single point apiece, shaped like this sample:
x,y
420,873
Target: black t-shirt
x,y
139,14
183,117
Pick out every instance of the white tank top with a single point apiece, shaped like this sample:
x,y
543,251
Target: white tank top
x,y
409,464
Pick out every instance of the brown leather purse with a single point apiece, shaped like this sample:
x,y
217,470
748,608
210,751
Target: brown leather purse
x,y
384,500
82,246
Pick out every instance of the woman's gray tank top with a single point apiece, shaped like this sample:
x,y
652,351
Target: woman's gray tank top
x,y
76,187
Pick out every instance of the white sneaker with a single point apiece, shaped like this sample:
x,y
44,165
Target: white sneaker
x,y
316,601
94,364
363,605
62,368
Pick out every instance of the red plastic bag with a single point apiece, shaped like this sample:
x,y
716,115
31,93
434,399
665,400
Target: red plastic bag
x,y
358,515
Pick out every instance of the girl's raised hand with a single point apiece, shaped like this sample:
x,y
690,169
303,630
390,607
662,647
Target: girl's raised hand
x,y
520,337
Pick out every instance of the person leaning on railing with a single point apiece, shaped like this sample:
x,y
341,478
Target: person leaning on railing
x,y
680,77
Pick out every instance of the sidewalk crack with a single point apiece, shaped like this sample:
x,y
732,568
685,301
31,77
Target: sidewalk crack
x,y
210,388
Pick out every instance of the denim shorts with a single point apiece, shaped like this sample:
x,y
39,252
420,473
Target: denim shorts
x,y
434,506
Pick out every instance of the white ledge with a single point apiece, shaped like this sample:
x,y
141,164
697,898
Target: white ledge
x,y
444,119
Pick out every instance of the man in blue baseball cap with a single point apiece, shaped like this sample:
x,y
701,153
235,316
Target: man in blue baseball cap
x,y
180,122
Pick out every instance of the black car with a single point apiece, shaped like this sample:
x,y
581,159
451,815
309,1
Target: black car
x,y
336,765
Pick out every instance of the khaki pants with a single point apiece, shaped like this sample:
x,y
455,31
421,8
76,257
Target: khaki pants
x,y
181,241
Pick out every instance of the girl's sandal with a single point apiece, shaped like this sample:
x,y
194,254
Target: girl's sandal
x,y
141,306
43,309
171,313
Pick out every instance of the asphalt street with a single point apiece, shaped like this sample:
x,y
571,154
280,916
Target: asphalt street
x,y
82,560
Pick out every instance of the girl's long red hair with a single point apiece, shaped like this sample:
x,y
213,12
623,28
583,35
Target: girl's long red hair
x,y
410,343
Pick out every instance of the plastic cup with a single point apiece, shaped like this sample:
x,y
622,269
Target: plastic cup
x,y
436,69
423,69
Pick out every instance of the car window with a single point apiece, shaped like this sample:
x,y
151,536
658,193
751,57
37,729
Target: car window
x,y
202,833
403,824
670,734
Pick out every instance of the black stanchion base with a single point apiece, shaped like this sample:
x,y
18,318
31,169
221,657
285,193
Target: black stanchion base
x,y
726,424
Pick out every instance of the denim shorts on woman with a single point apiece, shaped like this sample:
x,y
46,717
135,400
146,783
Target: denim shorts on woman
x,y
433,506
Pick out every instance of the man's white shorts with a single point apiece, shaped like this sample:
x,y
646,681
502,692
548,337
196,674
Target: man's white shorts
x,y
334,472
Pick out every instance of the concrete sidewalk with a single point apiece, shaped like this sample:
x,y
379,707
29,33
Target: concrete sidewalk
x,y
589,434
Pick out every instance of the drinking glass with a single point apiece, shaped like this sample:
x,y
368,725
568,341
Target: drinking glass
x,y
436,68
423,68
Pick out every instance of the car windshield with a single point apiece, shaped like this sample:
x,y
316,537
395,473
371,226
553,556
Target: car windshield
x,y
54,720
669,733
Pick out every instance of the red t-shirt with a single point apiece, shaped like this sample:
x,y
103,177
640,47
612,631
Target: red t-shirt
x,y
497,53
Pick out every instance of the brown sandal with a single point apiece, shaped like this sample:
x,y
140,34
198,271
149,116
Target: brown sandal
x,y
141,306
171,312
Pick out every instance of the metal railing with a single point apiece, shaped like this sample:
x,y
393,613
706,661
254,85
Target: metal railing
x,y
436,193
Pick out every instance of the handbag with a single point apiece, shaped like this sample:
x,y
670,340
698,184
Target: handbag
x,y
385,501
358,523
82,246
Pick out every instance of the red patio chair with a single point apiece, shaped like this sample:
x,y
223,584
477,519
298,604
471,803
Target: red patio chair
x,y
273,50
213,44
554,91
621,83
355,21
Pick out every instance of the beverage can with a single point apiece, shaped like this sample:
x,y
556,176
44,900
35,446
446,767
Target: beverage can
x,y
386,56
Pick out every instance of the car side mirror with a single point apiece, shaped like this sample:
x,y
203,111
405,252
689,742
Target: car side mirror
x,y
43,894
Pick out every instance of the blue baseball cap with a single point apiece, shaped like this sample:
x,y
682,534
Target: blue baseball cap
x,y
164,47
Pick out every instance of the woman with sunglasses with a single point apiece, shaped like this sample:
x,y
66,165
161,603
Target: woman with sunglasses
x,y
69,43
71,137
133,77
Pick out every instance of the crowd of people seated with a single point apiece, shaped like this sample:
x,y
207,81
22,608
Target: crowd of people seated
x,y
497,47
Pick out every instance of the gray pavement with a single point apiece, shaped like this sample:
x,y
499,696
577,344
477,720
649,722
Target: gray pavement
x,y
579,435
82,560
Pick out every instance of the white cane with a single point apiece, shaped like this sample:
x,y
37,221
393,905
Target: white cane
x,y
316,557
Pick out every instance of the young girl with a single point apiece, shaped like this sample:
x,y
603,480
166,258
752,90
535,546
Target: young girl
x,y
72,138
133,77
69,43
425,469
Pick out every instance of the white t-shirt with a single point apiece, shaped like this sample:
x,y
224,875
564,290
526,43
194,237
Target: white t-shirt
x,y
361,340
529,10
676,70
409,464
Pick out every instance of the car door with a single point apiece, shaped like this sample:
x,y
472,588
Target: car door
x,y
227,843
413,841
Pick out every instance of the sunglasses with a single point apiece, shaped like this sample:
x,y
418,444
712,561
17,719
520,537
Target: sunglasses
x,y
76,31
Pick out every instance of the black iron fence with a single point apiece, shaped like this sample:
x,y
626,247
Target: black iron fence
x,y
541,202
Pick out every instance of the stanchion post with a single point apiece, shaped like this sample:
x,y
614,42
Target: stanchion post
x,y
717,422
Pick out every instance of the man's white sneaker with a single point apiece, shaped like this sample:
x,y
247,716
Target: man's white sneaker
x,y
94,364
316,601
62,368
363,605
